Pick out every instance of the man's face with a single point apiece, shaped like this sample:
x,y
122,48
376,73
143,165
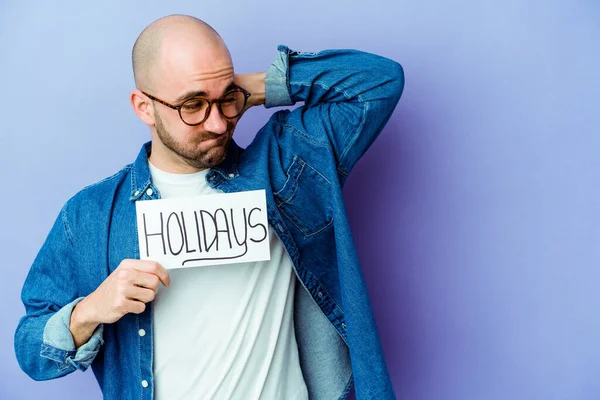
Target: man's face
x,y
182,76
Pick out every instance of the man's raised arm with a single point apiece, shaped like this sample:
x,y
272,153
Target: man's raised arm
x,y
348,96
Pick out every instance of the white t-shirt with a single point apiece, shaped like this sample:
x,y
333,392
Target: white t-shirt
x,y
225,331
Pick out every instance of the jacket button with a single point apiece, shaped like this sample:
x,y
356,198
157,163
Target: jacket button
x,y
231,175
344,326
145,383
142,332
149,192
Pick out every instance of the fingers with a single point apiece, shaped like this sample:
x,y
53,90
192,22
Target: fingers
x,y
131,306
146,280
137,307
142,294
126,290
153,267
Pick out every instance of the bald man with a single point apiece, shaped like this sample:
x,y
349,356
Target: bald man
x,y
285,328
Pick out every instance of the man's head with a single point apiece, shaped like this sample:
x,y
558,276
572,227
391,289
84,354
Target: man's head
x,y
177,58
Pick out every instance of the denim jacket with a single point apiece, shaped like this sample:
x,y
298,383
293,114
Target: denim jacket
x,y
301,158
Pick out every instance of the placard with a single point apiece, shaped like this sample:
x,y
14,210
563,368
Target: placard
x,y
204,230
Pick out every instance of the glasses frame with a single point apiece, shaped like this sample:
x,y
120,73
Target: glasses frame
x,y
210,104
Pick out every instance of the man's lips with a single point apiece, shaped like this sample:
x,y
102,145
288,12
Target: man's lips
x,y
215,141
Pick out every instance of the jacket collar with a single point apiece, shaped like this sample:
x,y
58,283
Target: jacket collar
x,y
140,172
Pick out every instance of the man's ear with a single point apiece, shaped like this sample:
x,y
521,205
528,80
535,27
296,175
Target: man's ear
x,y
142,106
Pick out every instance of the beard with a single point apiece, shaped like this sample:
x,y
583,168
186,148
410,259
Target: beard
x,y
190,153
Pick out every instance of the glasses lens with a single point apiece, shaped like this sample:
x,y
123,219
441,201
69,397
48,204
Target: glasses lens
x,y
193,111
232,104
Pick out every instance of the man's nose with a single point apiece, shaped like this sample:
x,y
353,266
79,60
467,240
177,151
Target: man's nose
x,y
215,122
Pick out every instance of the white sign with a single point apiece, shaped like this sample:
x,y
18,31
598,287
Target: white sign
x,y
204,230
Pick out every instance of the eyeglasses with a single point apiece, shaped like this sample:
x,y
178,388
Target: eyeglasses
x,y
196,110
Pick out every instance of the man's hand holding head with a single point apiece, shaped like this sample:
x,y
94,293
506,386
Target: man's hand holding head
x,y
254,83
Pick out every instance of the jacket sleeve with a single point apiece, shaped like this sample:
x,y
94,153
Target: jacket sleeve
x,y
348,97
44,345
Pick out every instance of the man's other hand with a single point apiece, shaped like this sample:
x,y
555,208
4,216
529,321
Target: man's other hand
x,y
126,290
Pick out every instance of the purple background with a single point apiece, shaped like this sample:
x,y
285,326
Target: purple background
x,y
475,213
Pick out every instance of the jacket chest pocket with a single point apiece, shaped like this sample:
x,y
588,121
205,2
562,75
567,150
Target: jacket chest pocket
x,y
305,198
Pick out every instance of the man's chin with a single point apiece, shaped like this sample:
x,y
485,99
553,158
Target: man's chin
x,y
212,157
